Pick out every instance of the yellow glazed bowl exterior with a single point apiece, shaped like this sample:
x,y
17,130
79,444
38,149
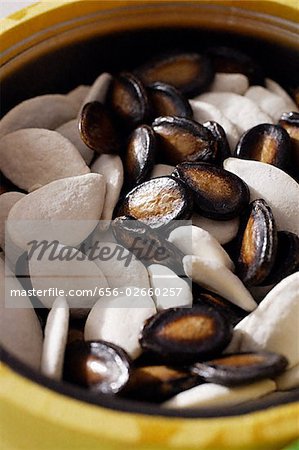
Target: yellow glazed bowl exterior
x,y
34,417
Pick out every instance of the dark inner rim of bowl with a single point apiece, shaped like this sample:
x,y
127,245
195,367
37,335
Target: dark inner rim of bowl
x,y
61,70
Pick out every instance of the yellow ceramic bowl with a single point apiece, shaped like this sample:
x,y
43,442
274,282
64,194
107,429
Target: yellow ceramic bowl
x,y
52,46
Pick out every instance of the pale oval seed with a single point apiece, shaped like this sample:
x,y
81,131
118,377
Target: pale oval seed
x,y
70,130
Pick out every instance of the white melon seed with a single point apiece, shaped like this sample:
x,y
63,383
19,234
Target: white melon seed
x,y
192,240
20,330
210,394
289,379
230,82
274,325
45,111
98,90
222,230
78,94
119,320
276,187
219,279
7,200
66,210
111,167
56,331
161,170
35,157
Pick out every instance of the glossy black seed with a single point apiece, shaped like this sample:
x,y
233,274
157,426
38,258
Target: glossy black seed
x,y
287,258
231,60
98,130
218,194
223,150
159,383
146,244
140,155
157,202
232,312
166,100
257,238
191,73
127,98
186,334
241,368
181,139
266,143
290,122
98,365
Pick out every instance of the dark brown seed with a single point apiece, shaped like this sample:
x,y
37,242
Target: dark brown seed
x,y
241,368
266,143
290,122
223,150
181,139
157,202
231,60
146,244
232,312
159,383
182,334
127,98
97,129
140,155
98,365
258,244
287,258
191,73
166,100
218,194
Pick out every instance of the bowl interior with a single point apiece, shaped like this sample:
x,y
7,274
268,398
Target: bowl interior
x,y
58,69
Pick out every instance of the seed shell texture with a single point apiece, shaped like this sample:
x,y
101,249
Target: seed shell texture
x,y
210,394
34,157
45,111
258,244
280,191
217,195
158,201
71,199
265,328
97,128
223,149
70,130
240,368
266,143
186,334
202,244
274,87
219,279
119,320
140,155
191,73
180,139
20,329
98,365
55,339
166,100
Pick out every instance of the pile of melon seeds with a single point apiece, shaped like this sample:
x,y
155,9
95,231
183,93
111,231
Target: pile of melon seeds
x,y
199,137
